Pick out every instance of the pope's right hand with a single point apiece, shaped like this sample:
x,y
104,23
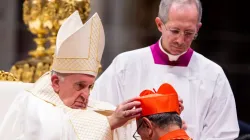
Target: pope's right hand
x,y
126,111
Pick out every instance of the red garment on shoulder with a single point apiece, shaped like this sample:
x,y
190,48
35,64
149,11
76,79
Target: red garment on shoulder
x,y
176,135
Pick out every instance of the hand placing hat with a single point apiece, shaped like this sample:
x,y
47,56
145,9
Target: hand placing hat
x,y
150,102
124,112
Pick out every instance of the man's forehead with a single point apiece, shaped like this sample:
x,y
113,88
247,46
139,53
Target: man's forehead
x,y
180,6
184,11
80,77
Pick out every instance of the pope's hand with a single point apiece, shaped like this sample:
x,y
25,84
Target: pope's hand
x,y
126,111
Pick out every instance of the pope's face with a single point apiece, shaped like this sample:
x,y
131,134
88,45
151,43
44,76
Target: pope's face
x,y
74,89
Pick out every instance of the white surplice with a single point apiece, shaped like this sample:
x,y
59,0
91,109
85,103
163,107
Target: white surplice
x,y
39,114
210,111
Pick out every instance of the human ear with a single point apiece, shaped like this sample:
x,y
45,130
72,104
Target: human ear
x,y
55,83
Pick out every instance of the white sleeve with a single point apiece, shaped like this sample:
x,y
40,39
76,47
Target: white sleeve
x,y
11,127
29,119
221,120
108,87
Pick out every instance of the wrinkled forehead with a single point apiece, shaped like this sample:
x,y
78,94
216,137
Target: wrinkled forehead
x,y
75,77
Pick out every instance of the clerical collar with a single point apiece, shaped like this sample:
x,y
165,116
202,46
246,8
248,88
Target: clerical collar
x,y
170,56
160,57
176,135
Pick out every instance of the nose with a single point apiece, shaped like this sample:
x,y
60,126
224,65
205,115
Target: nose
x,y
180,39
85,94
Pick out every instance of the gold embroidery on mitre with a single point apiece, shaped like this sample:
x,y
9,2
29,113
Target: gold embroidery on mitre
x,y
95,38
91,63
75,64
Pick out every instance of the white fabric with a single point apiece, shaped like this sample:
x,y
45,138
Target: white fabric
x,y
39,114
210,111
9,92
74,38
32,119
69,27
79,46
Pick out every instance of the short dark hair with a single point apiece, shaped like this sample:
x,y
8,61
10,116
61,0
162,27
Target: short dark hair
x,y
163,120
244,137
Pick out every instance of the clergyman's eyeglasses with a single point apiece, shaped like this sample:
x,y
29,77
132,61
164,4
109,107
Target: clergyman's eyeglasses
x,y
136,136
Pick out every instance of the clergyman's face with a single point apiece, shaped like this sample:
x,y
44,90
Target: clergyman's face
x,y
180,29
141,130
74,89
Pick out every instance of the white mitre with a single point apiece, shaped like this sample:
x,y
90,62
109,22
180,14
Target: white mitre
x,y
79,46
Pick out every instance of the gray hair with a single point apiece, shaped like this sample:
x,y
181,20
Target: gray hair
x,y
166,4
164,120
60,75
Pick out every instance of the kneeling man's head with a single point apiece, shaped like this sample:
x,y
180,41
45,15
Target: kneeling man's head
x,y
160,118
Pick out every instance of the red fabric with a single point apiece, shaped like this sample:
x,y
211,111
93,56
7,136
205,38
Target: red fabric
x,y
164,100
176,135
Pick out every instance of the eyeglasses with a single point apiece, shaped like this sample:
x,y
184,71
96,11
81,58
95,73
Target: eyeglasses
x,y
176,33
136,136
